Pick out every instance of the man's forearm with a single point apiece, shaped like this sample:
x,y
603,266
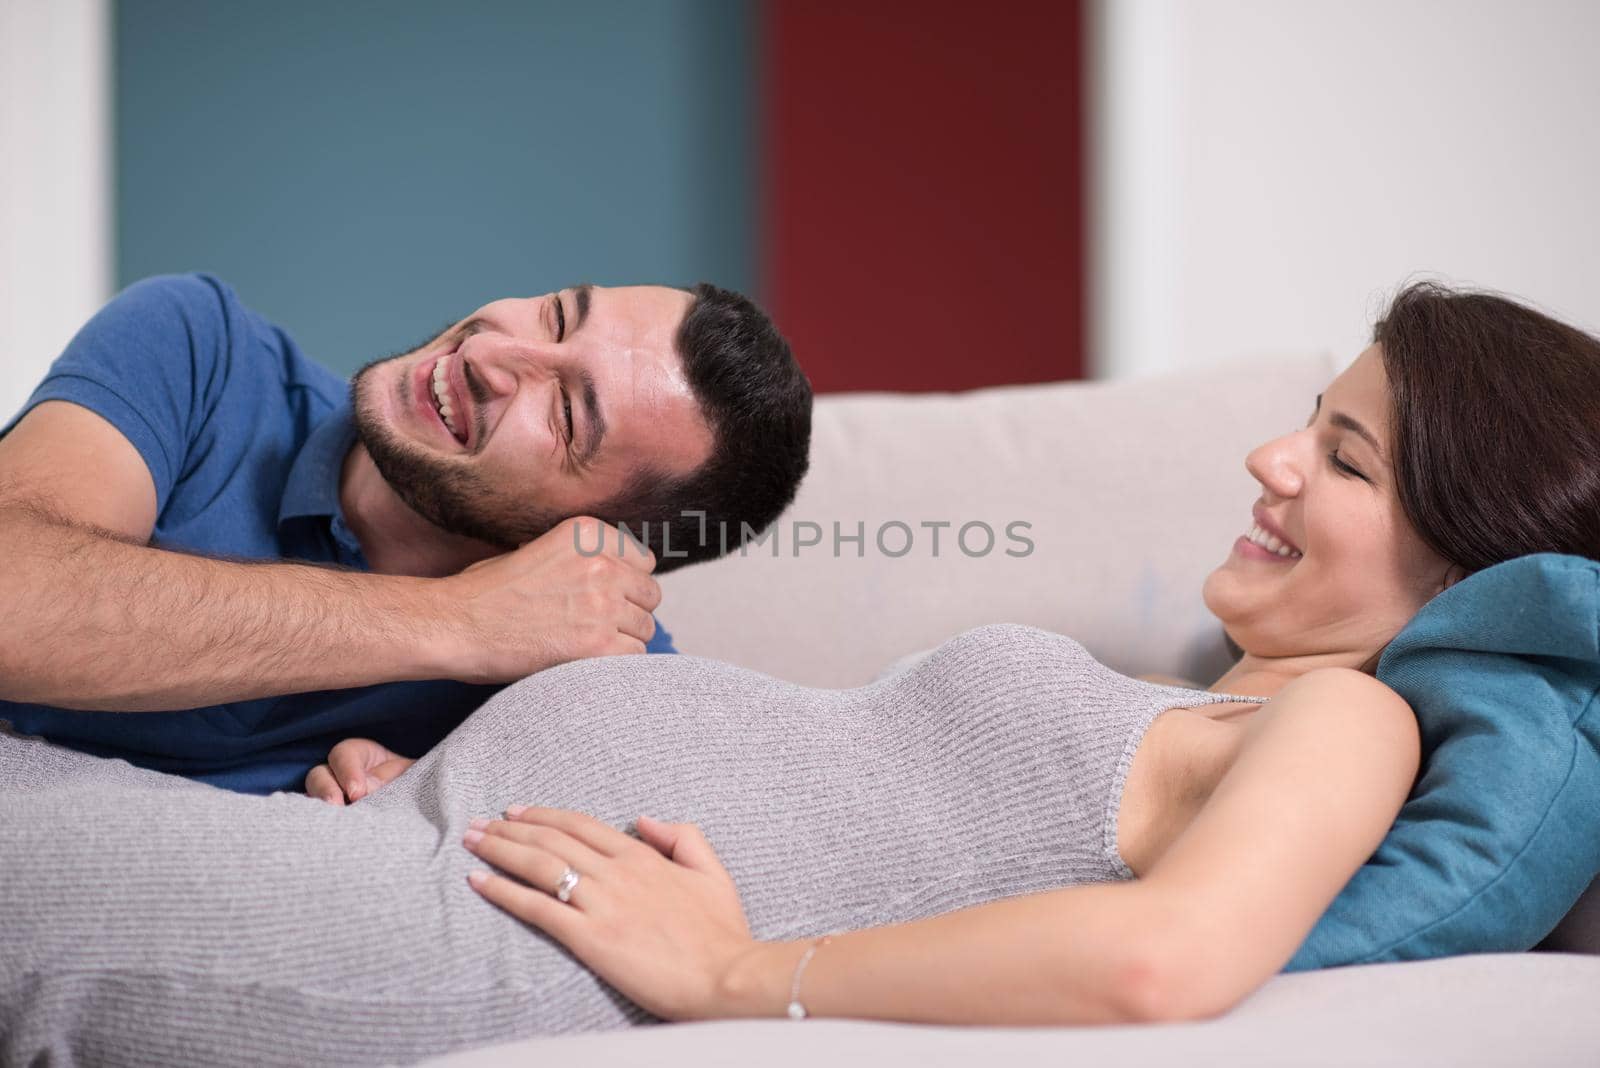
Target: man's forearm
x,y
93,622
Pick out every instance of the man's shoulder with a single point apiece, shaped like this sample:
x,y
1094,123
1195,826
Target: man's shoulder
x,y
193,288
202,385
188,321
214,320
198,304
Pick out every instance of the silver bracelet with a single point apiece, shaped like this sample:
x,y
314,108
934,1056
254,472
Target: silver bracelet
x,y
797,1011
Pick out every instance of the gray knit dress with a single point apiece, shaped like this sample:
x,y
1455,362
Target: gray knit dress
x,y
146,919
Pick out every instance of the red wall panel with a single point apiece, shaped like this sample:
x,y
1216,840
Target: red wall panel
x,y
922,202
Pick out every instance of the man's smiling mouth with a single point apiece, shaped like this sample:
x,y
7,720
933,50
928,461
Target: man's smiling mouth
x,y
441,400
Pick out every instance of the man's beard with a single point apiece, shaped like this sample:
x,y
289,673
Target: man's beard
x,y
449,496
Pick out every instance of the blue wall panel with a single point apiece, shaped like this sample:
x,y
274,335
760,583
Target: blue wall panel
x,y
364,172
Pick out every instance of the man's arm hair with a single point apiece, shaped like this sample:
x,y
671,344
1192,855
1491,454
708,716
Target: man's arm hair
x,y
97,619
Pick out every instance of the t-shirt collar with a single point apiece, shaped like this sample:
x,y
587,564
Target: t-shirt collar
x,y
313,485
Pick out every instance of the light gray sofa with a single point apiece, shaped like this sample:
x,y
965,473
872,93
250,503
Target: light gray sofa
x,y
1134,491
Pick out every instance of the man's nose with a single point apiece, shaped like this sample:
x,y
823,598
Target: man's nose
x,y
508,364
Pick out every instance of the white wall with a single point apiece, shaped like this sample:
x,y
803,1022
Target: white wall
x,y
55,202
1267,170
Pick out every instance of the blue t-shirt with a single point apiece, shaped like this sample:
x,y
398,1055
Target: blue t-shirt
x,y
245,438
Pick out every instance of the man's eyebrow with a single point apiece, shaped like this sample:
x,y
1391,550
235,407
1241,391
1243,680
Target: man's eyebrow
x,y
1340,419
596,420
580,296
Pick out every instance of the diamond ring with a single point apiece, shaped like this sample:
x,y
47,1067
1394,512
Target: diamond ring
x,y
564,888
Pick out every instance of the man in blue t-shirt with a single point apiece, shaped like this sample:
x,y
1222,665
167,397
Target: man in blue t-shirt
x,y
222,559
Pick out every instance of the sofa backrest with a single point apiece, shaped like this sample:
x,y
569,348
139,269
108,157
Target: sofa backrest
x,y
1132,491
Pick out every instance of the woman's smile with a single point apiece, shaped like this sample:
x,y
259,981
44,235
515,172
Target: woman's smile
x,y
1251,550
1265,540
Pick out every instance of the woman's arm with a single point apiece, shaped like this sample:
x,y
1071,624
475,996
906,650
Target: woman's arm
x,y
1317,784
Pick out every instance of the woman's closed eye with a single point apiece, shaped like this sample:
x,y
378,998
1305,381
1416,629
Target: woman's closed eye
x,y
1344,468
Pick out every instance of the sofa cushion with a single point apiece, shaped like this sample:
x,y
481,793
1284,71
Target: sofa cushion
x,y
1493,1009
1501,832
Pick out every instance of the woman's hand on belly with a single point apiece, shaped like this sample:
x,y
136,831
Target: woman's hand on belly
x,y
658,916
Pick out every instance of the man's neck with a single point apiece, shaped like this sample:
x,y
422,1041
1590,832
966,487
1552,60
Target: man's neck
x,y
394,538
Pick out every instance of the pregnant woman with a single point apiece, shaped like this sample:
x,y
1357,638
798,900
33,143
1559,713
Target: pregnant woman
x,y
1002,831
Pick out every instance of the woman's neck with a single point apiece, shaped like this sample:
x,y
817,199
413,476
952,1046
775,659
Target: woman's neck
x,y
1264,676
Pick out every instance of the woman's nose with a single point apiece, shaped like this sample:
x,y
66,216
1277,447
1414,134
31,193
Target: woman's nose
x,y
1276,465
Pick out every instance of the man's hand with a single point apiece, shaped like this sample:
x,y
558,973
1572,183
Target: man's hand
x,y
578,591
356,767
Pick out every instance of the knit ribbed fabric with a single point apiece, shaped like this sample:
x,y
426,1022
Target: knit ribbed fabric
x,y
153,920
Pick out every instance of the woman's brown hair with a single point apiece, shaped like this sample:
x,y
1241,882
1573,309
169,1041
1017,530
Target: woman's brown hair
x,y
1494,410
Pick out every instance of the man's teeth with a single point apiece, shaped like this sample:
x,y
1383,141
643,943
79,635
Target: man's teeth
x,y
441,396
1270,543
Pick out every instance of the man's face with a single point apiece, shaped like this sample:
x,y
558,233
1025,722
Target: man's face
x,y
555,402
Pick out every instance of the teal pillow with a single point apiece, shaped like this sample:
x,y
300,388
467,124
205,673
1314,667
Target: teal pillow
x,y
1501,832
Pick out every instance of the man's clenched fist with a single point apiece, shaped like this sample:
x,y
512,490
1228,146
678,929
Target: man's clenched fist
x,y
577,591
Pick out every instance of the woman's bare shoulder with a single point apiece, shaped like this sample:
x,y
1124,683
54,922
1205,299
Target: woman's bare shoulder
x,y
1342,680
1342,704
1347,687
1342,701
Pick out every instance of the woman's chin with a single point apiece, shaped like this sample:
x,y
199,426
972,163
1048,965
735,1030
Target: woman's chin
x,y
1208,589
1234,589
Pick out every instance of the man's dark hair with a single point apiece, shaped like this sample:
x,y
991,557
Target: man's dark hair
x,y
757,402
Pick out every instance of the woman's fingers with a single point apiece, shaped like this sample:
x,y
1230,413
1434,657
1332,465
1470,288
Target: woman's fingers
x,y
659,835
539,868
600,837
561,922
683,843
563,845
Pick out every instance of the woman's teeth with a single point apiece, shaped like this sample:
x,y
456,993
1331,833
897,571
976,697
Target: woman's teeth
x,y
441,396
1270,543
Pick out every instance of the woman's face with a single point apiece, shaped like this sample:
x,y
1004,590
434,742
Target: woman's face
x,y
1362,572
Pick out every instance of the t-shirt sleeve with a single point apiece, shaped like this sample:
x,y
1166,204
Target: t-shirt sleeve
x,y
661,641
151,363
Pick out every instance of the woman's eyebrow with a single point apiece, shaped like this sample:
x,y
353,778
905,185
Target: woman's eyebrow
x,y
1343,421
